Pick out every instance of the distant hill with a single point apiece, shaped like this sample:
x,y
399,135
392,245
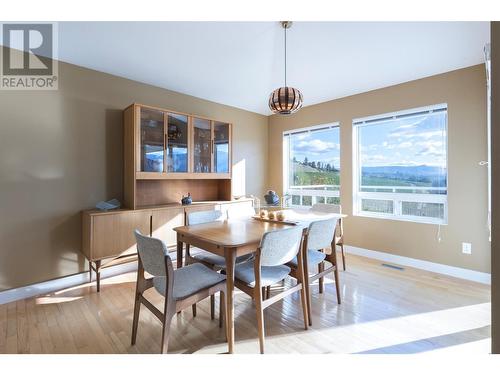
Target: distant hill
x,y
298,167
417,170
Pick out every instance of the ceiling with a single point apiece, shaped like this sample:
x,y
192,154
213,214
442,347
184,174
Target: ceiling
x,y
240,63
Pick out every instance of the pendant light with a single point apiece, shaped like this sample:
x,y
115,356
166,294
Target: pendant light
x,y
285,100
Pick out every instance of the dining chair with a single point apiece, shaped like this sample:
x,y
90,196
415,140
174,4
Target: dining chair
x,y
268,267
181,287
319,236
213,261
333,209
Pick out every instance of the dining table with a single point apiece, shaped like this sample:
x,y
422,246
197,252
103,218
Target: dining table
x,y
232,238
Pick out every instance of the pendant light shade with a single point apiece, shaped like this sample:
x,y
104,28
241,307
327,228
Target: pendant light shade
x,y
285,100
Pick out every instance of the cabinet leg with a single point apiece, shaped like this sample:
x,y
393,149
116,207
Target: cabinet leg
x,y
98,274
90,271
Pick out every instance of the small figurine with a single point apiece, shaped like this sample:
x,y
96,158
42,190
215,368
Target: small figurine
x,y
271,215
263,214
187,200
272,198
280,215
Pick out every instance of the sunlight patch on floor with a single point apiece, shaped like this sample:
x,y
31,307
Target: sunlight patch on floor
x,y
362,337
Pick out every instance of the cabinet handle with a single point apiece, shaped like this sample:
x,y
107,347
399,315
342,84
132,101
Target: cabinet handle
x,y
213,146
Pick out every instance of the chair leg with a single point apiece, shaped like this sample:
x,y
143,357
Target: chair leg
x,y
260,317
343,255
263,293
135,321
321,268
268,291
166,332
337,283
308,299
222,308
194,309
212,307
305,312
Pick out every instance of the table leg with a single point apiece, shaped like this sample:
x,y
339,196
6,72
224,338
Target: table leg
x,y
180,246
229,254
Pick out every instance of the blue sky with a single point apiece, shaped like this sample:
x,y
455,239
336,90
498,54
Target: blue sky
x,y
321,145
419,140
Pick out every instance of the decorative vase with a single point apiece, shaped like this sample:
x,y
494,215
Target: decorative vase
x,y
272,198
187,200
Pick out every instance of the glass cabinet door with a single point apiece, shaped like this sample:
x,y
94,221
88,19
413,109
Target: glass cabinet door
x,y
221,147
202,146
152,140
177,143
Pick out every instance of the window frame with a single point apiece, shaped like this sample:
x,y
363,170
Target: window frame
x,y
396,198
286,166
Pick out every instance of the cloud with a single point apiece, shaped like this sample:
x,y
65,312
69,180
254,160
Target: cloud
x,y
413,134
316,146
405,145
372,158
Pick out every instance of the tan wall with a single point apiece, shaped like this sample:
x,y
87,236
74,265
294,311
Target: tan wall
x,y
464,91
61,152
495,185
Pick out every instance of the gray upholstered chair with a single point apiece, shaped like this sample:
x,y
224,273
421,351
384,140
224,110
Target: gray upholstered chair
x,y
339,235
320,236
181,288
213,261
269,267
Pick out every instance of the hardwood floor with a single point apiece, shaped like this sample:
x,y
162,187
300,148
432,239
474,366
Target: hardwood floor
x,y
384,310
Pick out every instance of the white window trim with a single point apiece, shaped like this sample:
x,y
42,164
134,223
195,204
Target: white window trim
x,y
397,198
302,190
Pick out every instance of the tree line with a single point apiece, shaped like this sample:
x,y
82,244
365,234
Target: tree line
x,y
326,167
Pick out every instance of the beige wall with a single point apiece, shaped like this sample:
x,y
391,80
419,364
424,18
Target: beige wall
x,y
495,185
61,152
464,91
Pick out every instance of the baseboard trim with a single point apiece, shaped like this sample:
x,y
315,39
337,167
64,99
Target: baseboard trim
x,y
50,286
461,273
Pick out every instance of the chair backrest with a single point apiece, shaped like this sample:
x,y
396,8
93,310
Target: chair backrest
x,y
152,252
202,217
327,208
320,234
280,246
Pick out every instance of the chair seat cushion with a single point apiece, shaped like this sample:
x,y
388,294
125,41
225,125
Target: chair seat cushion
x,y
268,275
216,260
314,258
189,280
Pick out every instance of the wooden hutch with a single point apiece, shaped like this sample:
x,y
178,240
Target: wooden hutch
x,y
167,154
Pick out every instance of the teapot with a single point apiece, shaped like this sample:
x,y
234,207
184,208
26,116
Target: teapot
x,y
187,199
272,198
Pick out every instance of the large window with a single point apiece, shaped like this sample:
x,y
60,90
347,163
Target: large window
x,y
400,165
312,165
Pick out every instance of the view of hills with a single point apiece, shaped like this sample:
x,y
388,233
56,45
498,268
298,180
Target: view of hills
x,y
317,173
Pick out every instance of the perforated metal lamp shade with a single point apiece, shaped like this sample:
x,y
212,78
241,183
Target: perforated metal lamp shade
x,y
285,100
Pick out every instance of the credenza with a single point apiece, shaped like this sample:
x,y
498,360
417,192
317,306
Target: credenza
x,y
108,236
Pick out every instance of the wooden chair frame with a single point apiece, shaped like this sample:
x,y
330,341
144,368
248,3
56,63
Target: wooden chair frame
x,y
171,306
257,293
322,272
188,259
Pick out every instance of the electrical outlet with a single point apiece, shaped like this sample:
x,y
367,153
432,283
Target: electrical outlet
x,y
466,248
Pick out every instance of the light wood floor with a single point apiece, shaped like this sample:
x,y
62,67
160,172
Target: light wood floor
x,y
384,310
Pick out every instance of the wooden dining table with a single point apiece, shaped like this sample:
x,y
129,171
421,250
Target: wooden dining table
x,y
231,239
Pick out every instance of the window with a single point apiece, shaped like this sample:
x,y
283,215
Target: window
x,y
312,165
400,165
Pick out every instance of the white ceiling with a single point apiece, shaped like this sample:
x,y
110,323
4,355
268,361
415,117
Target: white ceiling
x,y
240,63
